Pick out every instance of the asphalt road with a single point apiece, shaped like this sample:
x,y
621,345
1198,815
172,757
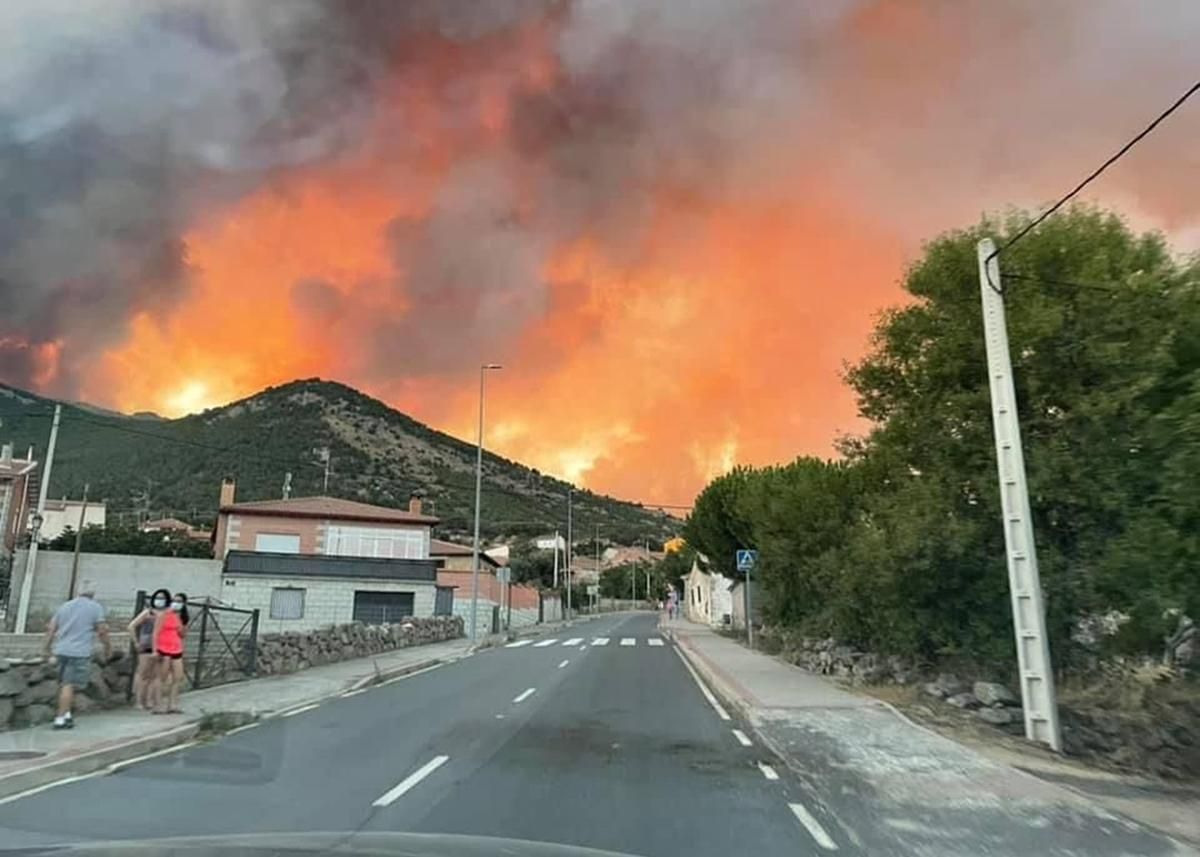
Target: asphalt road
x,y
612,746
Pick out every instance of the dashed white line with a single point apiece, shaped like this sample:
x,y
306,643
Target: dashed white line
x,y
741,737
411,780
600,641
655,641
767,771
541,644
628,641
563,664
525,694
300,710
708,694
518,644
813,826
574,641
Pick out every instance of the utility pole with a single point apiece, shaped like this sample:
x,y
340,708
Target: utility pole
x,y
556,559
483,370
568,551
597,553
1025,588
78,541
38,517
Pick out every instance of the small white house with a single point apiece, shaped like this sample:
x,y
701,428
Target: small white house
x,y
706,595
63,514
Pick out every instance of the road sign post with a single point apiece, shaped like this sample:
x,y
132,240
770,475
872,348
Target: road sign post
x,y
745,562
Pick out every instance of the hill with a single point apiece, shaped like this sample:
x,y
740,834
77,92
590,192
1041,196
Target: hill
x,y
161,467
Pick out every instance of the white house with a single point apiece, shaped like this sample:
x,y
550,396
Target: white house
x,y
706,595
64,513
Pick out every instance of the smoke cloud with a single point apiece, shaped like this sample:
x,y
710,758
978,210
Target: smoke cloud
x,y
671,221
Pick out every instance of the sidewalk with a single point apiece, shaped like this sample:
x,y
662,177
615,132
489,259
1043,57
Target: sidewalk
x,y
892,783
33,757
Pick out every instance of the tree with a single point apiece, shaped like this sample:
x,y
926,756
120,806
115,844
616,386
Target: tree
x,y
127,540
717,527
533,565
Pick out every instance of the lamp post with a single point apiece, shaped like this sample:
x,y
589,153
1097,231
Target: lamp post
x,y
483,370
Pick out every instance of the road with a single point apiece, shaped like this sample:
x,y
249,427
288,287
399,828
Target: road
x,y
598,737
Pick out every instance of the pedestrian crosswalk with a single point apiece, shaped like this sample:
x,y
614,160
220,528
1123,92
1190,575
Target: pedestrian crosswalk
x,y
580,641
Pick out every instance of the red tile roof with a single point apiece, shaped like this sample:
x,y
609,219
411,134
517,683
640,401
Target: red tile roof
x,y
328,507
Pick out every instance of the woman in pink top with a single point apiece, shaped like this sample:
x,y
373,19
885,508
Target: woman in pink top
x,y
169,631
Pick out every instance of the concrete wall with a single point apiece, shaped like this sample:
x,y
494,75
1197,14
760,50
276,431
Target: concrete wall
x,y
327,600
552,608
117,579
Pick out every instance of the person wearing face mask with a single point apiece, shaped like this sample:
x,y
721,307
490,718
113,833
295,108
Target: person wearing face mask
x,y
169,630
141,629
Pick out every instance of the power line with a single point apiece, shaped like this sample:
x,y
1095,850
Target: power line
x,y
1120,153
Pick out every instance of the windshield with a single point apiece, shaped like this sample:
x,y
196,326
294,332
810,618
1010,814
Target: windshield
x,y
663,428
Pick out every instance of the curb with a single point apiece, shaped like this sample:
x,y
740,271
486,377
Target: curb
x,y
91,761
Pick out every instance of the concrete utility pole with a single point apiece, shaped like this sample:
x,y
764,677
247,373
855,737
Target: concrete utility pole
x,y
78,541
38,516
569,551
1025,588
556,559
483,370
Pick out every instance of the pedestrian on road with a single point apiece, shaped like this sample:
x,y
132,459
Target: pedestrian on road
x,y
169,630
145,679
71,640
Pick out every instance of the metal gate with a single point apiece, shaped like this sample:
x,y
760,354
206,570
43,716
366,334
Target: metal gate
x,y
221,644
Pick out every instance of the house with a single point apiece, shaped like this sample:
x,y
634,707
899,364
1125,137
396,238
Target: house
x,y
618,555
500,603
305,562
16,475
452,556
64,514
706,595
585,570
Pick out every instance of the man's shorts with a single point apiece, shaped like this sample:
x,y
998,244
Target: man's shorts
x,y
74,671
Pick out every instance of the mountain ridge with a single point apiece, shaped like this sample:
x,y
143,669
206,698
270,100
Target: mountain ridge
x,y
377,454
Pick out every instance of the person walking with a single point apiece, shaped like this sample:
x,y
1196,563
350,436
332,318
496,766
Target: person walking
x,y
141,629
170,627
71,640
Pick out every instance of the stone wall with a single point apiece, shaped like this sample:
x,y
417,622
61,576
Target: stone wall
x,y
29,689
292,651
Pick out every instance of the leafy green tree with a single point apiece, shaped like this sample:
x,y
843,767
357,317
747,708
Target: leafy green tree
x,y
127,540
717,526
532,565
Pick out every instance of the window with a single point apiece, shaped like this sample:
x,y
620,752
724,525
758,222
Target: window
x,y
378,542
277,543
287,602
381,608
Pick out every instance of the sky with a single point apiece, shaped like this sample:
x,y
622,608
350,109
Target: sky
x,y
672,221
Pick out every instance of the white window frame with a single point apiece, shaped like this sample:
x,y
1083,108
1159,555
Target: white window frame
x,y
377,542
293,539
274,612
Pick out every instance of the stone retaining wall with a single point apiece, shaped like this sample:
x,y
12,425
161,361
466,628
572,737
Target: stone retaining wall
x,y
29,689
292,651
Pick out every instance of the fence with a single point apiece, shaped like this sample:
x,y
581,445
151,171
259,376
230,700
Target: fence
x,y
221,644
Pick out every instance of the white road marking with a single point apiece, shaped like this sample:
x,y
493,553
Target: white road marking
x,y
243,728
708,694
518,644
741,736
628,641
600,641
125,763
541,644
768,771
813,826
67,781
412,674
411,780
655,641
355,692
525,694
574,641
563,664
300,710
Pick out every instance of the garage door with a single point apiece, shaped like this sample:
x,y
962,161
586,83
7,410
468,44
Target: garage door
x,y
381,608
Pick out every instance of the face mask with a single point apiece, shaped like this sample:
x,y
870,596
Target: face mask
x,y
160,604
176,606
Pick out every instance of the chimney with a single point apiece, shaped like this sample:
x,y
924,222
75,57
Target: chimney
x,y
6,452
228,489
414,503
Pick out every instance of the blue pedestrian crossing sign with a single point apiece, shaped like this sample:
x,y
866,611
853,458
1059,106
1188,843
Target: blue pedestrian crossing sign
x,y
746,560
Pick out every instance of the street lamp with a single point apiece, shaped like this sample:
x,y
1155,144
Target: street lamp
x,y
483,370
